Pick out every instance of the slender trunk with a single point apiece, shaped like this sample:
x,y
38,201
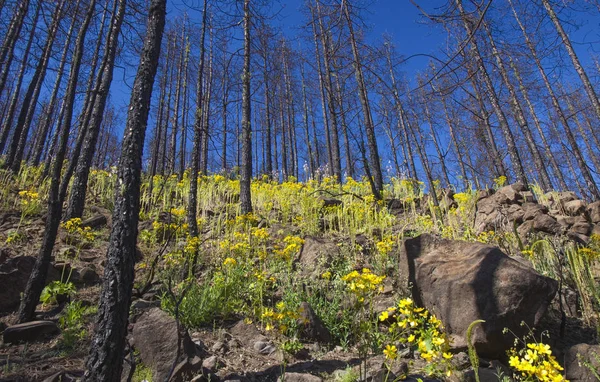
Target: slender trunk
x,y
35,284
20,76
184,113
366,107
105,361
193,196
520,117
206,116
587,176
390,135
79,188
327,56
177,100
567,157
536,122
484,119
268,117
311,159
494,100
584,136
246,170
421,151
459,154
156,144
587,85
30,101
316,144
436,144
340,97
169,157
402,127
322,94
47,121
225,102
10,41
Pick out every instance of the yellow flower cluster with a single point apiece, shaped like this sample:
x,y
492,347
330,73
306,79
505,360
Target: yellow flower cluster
x,y
385,246
248,218
230,261
174,259
487,237
178,212
499,181
363,284
536,362
27,196
30,202
192,245
590,254
281,318
292,248
390,352
74,228
463,199
261,234
420,330
163,230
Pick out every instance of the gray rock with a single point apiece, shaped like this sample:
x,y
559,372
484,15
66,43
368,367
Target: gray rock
x,y
155,337
188,369
547,224
593,211
462,282
528,197
512,193
143,304
88,275
299,377
14,273
531,210
210,363
316,255
264,347
574,369
575,207
561,198
29,332
311,326
582,228
95,222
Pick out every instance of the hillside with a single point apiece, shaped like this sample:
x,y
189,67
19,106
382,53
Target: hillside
x,y
321,282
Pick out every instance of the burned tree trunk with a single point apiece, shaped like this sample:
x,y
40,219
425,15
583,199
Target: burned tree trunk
x,y
105,362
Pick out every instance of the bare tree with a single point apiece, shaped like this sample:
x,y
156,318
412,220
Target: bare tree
x,y
105,361
246,165
35,284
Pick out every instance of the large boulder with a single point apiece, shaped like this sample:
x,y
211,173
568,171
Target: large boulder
x,y
155,337
461,282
